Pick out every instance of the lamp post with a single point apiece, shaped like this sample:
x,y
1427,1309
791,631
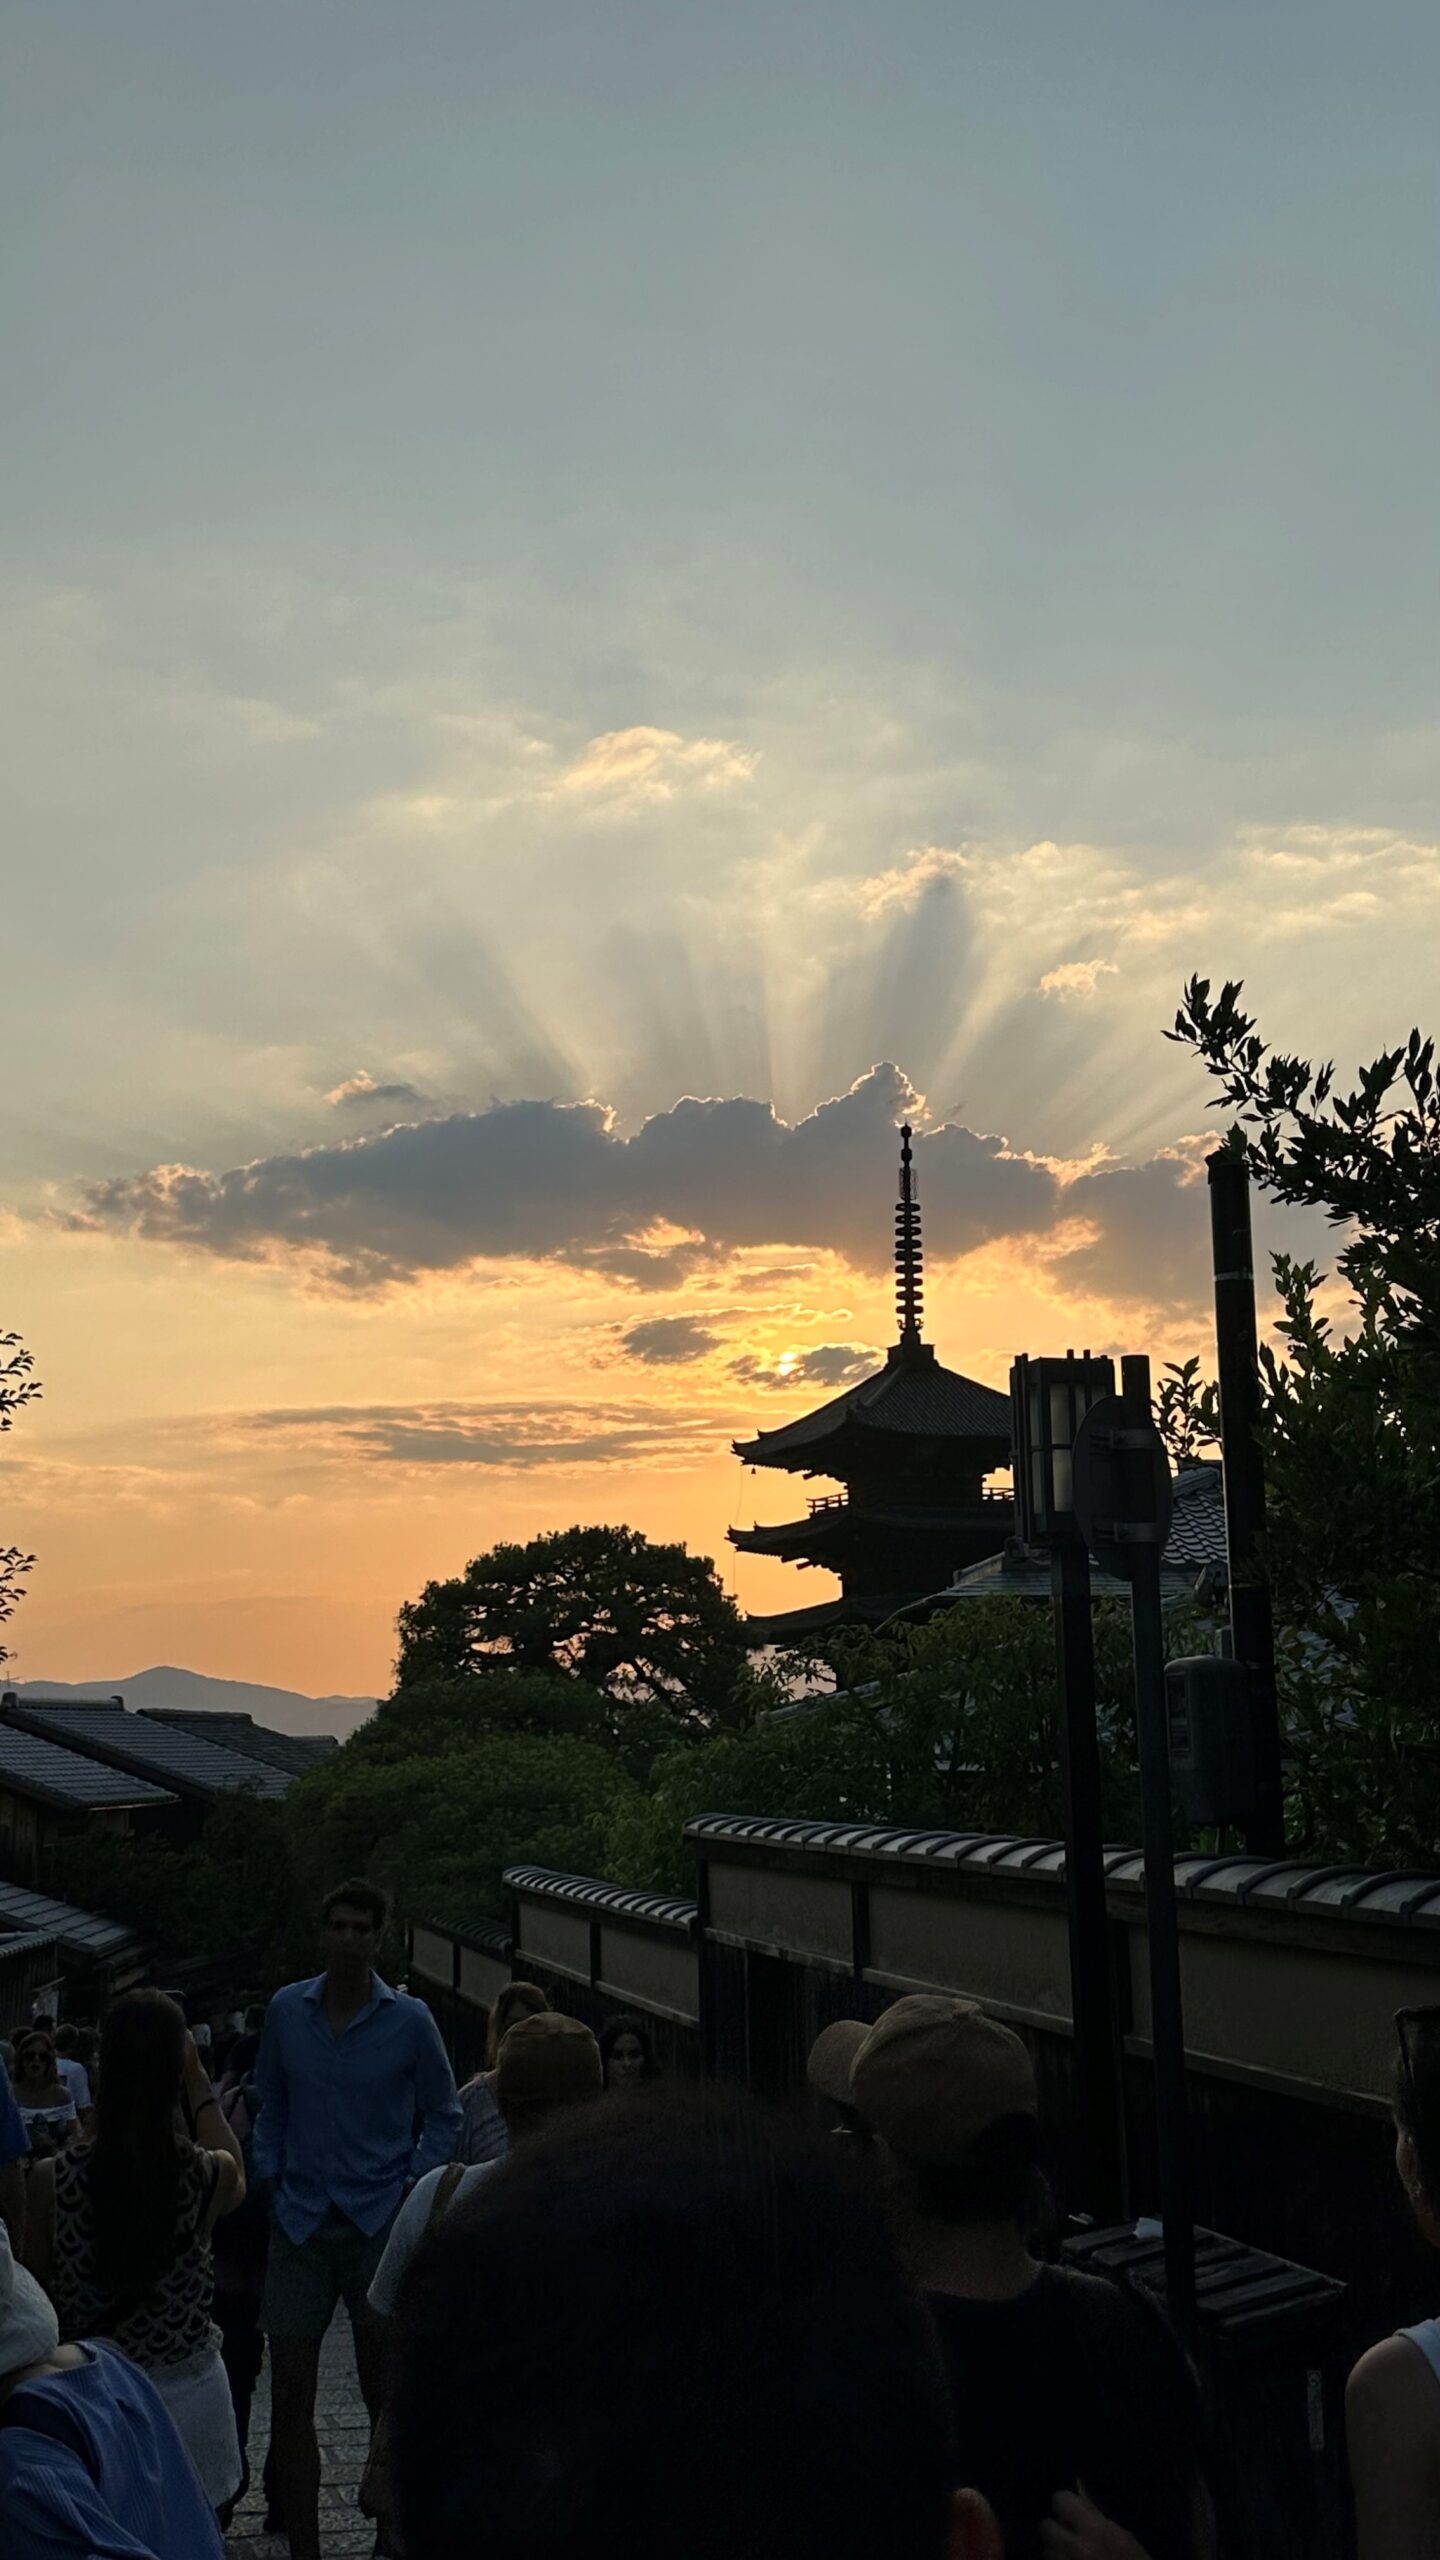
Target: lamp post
x,y
1251,1625
1049,1399
1121,1489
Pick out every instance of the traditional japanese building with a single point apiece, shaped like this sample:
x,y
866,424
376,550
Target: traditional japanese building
x,y
912,1445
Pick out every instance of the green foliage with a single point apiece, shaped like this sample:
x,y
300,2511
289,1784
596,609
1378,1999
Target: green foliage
x,y
435,1815
1187,1413
952,1723
1351,1428
493,1701
653,1643
229,1890
1370,1158
18,1387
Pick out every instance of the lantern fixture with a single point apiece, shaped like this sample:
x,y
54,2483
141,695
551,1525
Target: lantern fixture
x,y
1049,1399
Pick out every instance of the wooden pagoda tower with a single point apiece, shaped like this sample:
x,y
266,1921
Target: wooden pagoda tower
x,y
912,1446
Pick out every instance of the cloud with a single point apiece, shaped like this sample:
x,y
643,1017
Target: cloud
x,y
1148,1229
551,1181
902,888
634,766
661,1340
825,1364
361,1092
516,1438
693,1188
1075,980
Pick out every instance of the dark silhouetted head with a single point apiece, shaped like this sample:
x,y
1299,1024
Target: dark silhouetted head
x,y
674,2330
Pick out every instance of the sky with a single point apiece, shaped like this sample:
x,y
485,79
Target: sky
x,y
600,601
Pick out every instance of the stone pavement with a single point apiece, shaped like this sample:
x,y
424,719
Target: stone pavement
x,y
344,2432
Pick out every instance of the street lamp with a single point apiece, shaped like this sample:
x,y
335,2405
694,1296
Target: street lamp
x,y
1049,1400
1120,1483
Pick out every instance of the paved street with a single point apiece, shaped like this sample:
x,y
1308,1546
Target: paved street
x,y
344,2435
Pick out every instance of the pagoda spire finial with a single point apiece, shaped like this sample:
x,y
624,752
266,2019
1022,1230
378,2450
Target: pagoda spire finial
x,y
909,1252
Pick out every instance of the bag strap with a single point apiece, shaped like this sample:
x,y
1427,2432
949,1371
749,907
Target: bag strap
x,y
444,2196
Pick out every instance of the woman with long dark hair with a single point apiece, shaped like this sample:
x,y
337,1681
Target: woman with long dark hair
x,y
119,2228
627,2051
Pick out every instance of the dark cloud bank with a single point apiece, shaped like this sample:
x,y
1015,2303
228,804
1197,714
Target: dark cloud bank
x,y
553,1182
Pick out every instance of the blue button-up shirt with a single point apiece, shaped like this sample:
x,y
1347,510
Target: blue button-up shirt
x,y
338,2112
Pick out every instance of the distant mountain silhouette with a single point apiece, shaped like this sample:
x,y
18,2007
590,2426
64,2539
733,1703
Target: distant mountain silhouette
x,y
165,1685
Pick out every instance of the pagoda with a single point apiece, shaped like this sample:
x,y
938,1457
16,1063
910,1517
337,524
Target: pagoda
x,y
912,1446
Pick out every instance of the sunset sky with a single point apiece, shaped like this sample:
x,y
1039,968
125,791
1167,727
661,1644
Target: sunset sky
x,y
602,599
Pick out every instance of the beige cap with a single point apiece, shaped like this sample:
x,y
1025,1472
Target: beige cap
x,y
547,2061
831,2056
934,2073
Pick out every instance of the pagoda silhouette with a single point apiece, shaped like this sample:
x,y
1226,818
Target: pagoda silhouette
x,y
912,1446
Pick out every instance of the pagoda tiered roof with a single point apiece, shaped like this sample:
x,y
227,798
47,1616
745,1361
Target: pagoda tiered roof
x,y
912,1400
834,1526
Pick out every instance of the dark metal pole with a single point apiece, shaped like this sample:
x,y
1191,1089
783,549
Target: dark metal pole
x,y
1092,1983
1252,1627
1167,2015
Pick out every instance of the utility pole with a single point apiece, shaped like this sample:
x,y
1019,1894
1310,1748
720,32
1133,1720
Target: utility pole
x,y
1252,1627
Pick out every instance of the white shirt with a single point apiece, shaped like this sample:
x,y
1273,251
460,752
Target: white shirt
x,y
76,2079
409,2227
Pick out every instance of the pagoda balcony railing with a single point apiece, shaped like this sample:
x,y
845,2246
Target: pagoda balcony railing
x,y
820,1502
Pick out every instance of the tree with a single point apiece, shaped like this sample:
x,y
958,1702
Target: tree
x,y
227,1893
437,1824
495,1700
952,1723
1351,1428
645,1630
18,1387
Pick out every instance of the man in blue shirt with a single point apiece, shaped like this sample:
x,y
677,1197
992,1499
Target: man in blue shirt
x,y
14,2147
346,2069
90,2462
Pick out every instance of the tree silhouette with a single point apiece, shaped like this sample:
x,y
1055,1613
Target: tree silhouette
x,y
18,1387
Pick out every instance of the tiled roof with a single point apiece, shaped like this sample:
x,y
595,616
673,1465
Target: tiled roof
x,y
34,1767
1197,1528
620,1901
913,1396
237,1731
85,1933
177,1759
1369,1893
25,1942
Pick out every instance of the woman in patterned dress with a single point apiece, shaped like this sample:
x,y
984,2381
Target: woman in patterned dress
x,y
118,2229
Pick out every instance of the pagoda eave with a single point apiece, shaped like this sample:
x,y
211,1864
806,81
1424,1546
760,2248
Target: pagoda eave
x,y
856,1444
794,1541
825,1617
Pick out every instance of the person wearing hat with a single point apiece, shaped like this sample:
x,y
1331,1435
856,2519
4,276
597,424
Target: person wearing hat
x,y
827,2073
546,2063
674,2330
1074,2403
90,2461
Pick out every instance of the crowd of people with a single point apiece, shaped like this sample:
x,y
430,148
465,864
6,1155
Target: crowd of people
x,y
661,2323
